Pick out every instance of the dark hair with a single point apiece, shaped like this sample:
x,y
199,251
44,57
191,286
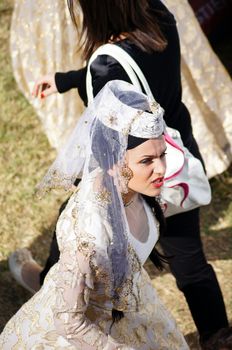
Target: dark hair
x,y
105,20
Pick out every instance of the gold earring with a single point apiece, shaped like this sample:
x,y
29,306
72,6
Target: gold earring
x,y
126,174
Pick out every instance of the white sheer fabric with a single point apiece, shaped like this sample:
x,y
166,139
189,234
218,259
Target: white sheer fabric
x,y
207,89
113,108
140,223
97,147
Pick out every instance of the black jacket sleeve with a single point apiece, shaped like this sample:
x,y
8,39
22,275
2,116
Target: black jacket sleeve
x,y
103,69
69,80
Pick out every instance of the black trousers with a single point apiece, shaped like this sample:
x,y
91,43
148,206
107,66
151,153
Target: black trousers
x,y
194,276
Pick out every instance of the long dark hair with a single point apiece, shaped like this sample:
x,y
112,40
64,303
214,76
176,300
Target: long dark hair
x,y
105,20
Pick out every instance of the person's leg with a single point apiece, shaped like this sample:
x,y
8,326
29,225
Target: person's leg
x,y
194,276
54,252
52,258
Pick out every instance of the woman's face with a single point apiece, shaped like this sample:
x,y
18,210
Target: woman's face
x,y
147,162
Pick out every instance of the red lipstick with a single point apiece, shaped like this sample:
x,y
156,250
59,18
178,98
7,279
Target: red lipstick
x,y
158,182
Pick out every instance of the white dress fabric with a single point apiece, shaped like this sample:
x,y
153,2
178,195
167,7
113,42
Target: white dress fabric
x,y
73,308
207,89
43,40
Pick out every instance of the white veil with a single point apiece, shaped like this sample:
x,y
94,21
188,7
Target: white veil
x,y
99,143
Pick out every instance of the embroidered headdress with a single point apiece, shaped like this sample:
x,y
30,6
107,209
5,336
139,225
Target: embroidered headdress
x,y
119,106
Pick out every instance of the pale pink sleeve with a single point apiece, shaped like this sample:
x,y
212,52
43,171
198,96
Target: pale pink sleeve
x,y
74,282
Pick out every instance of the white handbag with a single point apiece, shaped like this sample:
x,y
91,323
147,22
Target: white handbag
x,y
186,185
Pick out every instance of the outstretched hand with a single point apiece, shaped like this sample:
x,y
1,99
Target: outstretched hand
x,y
45,86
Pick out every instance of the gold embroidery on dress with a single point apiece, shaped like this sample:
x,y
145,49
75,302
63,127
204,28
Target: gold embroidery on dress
x,y
129,295
85,244
103,196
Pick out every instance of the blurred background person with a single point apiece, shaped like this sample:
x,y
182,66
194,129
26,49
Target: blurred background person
x,y
42,38
207,90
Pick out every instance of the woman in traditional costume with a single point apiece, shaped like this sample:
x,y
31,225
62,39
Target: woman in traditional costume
x,y
98,295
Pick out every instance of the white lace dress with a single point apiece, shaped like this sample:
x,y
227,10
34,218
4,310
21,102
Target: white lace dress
x,y
43,40
73,308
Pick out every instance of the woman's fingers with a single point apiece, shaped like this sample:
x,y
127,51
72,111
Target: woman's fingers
x,y
47,90
40,85
44,86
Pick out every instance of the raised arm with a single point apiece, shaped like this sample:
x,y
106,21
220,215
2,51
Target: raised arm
x,y
59,82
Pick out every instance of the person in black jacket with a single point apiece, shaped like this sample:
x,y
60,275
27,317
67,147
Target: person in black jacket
x,y
147,31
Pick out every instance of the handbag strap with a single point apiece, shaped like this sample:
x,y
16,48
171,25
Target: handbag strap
x,y
127,62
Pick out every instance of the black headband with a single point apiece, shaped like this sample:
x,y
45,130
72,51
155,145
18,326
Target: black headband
x,y
135,141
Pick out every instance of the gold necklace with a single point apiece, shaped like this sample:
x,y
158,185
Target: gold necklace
x,y
129,203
